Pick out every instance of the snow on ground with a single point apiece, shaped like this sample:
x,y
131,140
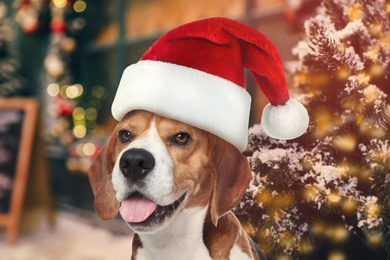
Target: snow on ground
x,y
70,238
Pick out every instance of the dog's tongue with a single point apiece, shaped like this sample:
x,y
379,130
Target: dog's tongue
x,y
136,209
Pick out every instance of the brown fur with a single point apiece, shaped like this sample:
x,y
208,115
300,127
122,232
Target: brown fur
x,y
213,171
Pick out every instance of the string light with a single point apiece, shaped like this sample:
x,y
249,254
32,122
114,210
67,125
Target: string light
x,y
340,234
333,198
387,7
323,123
53,89
337,255
374,238
60,3
310,193
355,12
283,257
373,210
79,131
91,114
99,92
89,149
376,70
78,114
286,239
306,246
349,206
79,6
74,91
318,228
79,149
343,73
283,201
376,29
264,197
345,143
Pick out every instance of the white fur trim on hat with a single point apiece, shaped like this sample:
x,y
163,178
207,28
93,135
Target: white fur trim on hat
x,y
285,122
188,95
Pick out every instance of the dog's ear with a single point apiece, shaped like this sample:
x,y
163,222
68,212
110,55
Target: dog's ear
x,y
231,177
99,175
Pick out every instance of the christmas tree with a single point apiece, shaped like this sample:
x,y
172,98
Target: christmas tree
x,y
326,195
9,79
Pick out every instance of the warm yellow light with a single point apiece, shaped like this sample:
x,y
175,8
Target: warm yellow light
x,y
79,6
283,200
89,149
355,12
375,238
286,239
318,228
78,113
333,198
373,210
301,78
72,164
264,197
63,91
376,70
310,193
79,150
348,206
324,123
346,143
283,257
340,234
74,91
306,246
337,255
60,3
56,130
53,89
79,131
91,114
376,28
343,73
99,92
387,8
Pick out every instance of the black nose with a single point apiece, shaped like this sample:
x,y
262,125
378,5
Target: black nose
x,y
135,164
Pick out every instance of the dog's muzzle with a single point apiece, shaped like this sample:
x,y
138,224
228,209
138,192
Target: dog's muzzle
x,y
135,164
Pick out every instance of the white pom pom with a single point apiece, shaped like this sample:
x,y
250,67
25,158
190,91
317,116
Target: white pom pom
x,y
285,122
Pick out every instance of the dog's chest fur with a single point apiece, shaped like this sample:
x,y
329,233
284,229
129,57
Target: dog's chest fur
x,y
185,239
182,239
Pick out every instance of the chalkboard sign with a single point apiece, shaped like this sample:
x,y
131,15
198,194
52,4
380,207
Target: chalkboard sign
x,y
17,128
10,130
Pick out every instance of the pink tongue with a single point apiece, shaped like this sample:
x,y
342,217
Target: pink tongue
x,y
136,209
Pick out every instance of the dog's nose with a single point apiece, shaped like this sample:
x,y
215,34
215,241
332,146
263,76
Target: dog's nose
x,y
136,163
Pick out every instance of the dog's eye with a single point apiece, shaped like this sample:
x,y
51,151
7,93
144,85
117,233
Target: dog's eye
x,y
124,136
182,138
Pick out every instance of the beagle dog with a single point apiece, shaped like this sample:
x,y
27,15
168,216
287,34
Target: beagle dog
x,y
175,186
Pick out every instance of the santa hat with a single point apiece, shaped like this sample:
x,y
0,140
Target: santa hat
x,y
195,74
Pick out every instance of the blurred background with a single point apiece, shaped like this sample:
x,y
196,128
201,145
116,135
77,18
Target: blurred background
x,y
70,54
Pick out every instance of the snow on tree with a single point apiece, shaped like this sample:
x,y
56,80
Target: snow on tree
x,y
326,195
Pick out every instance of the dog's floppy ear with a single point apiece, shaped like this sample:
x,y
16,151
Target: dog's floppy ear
x,y
231,177
99,174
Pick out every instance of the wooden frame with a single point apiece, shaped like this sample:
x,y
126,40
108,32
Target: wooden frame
x,y
11,219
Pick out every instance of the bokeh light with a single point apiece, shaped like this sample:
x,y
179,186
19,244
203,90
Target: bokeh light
x,y
79,6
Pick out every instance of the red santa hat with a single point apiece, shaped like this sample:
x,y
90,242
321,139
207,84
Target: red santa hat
x,y
195,74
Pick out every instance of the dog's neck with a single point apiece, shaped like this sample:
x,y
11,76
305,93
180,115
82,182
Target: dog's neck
x,y
181,239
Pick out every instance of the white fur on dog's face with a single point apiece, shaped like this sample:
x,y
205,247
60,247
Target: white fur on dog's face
x,y
178,169
159,182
